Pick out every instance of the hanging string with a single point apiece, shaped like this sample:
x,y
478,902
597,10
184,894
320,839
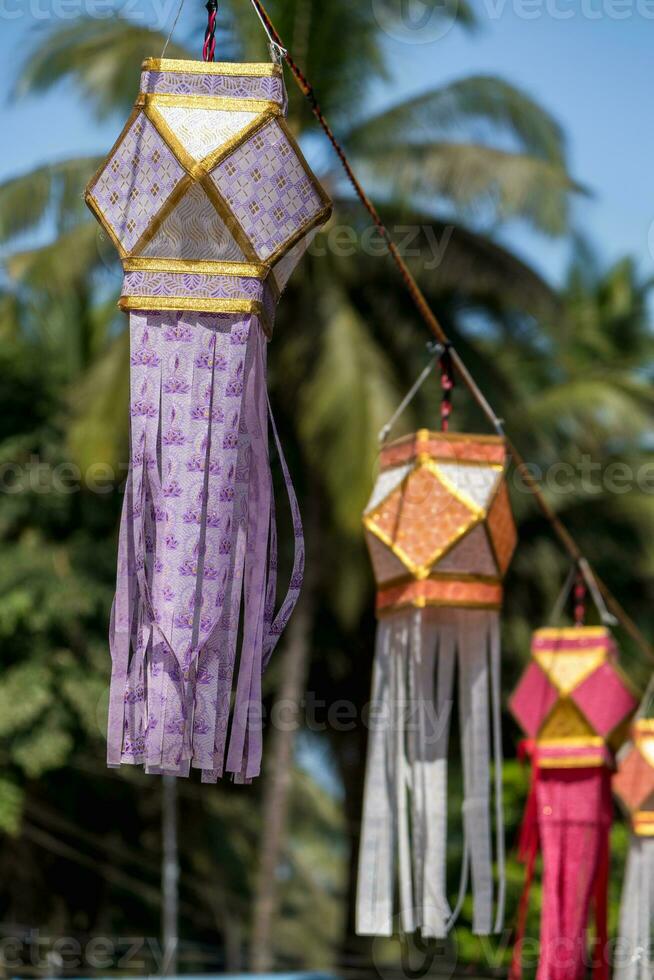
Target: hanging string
x,y
434,350
172,29
608,619
560,604
427,314
209,49
646,709
581,570
447,384
277,51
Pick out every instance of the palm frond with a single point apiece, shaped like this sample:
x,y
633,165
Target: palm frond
x,y
52,192
456,11
338,431
479,180
590,409
97,435
103,57
482,101
55,268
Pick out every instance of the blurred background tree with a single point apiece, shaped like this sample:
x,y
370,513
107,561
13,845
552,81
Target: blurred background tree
x,y
268,871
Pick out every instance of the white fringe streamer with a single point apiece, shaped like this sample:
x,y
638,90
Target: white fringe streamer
x,y
405,800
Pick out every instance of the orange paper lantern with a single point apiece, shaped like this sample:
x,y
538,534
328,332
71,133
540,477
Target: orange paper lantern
x,y
440,534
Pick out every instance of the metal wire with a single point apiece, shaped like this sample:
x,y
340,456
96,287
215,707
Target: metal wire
x,y
172,29
435,350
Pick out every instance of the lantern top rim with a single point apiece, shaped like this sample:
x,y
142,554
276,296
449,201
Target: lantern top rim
x,y
185,66
422,435
452,447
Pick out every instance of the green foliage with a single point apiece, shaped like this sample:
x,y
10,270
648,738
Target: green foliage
x,y
11,800
52,191
103,56
339,433
24,693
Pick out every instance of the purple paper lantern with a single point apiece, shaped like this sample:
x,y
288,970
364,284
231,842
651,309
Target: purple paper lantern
x,y
210,204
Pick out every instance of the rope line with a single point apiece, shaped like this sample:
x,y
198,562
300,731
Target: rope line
x,y
430,319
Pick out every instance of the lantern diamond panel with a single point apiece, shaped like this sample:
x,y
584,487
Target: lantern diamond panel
x,y
127,206
267,188
421,520
605,699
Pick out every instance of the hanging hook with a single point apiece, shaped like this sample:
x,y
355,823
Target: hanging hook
x,y
559,605
277,52
608,619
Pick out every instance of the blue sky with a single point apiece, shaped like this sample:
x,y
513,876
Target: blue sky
x,y
587,61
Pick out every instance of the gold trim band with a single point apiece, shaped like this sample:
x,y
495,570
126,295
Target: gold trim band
x,y
643,823
574,742
441,577
197,305
260,69
554,653
570,632
193,304
576,762
214,102
426,435
247,270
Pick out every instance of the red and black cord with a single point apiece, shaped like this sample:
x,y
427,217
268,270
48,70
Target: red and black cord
x,y
209,49
580,599
447,385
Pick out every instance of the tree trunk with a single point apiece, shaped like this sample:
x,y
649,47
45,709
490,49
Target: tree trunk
x,y
277,782
169,876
